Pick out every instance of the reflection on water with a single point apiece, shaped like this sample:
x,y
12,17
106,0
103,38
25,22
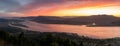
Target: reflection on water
x,y
94,32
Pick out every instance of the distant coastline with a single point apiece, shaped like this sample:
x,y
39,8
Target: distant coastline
x,y
102,26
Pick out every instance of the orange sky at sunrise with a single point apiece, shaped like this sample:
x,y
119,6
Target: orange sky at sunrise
x,y
62,7
84,8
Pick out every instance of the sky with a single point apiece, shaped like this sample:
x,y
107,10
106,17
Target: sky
x,y
11,8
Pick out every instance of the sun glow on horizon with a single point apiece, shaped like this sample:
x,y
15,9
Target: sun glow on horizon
x,y
89,11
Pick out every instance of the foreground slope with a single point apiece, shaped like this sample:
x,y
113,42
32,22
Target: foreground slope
x,y
53,39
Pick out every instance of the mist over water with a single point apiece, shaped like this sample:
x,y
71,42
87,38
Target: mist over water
x,y
93,32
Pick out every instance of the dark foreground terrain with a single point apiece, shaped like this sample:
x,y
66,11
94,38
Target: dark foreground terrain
x,y
52,39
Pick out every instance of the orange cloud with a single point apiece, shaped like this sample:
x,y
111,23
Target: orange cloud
x,y
54,8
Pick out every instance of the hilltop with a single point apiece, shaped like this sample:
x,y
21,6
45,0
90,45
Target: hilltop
x,y
103,20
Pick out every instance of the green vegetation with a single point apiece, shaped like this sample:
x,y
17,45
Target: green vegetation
x,y
52,39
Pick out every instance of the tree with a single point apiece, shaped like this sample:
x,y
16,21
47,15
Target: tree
x,y
81,44
4,35
68,42
54,44
109,45
21,35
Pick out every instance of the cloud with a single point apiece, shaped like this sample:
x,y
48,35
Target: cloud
x,y
24,2
37,4
50,4
8,5
36,7
11,14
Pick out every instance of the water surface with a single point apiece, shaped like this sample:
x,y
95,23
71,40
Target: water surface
x,y
94,32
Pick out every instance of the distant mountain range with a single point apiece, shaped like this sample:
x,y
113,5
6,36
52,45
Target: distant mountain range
x,y
100,20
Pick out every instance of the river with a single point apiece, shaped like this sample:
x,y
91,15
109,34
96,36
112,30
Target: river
x,y
93,32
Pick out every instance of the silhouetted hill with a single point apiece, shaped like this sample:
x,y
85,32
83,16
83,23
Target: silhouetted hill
x,y
105,20
53,39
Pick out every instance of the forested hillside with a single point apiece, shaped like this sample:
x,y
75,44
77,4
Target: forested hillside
x,y
52,39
